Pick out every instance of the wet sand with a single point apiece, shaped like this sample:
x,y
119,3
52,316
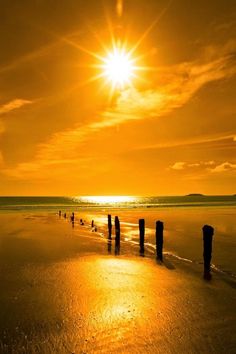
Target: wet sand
x,y
64,291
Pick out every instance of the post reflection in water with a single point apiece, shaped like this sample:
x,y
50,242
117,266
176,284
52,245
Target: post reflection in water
x,y
117,250
109,246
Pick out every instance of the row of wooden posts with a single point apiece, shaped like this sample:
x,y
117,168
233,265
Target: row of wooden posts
x,y
207,230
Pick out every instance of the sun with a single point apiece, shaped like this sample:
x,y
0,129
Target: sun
x,y
118,67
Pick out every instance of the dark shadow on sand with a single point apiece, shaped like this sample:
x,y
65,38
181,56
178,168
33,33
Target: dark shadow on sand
x,y
166,263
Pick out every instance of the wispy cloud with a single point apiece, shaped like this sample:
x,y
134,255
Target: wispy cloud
x,y
199,140
205,167
173,88
32,169
223,167
39,52
14,104
181,165
178,165
178,84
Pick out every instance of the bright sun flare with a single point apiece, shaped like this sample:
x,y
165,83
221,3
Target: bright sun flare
x,y
118,67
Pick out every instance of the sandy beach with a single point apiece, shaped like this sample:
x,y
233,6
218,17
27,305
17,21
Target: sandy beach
x,y
117,177
63,290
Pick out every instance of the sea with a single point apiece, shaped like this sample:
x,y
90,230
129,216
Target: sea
x,y
129,202
183,217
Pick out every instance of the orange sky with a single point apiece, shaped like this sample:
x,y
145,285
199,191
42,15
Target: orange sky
x,y
172,132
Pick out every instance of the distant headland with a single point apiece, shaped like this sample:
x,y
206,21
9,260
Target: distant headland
x,y
195,195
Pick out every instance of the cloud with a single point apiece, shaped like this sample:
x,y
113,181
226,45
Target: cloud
x,y
50,168
10,106
14,104
209,163
224,167
185,165
178,166
200,140
39,52
176,86
207,166
172,88
197,164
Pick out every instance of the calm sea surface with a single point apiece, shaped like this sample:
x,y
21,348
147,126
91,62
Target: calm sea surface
x,y
183,217
51,203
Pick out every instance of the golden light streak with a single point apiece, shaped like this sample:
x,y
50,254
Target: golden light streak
x,y
152,25
117,65
107,199
118,56
119,7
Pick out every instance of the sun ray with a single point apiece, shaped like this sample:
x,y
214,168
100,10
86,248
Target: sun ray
x,y
117,66
83,49
149,29
110,27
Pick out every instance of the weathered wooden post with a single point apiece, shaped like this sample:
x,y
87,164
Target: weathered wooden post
x,y
117,238
81,222
72,218
141,235
109,227
159,239
208,232
92,223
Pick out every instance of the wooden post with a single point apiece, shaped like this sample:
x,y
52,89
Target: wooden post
x,y
159,240
208,232
141,235
72,218
117,238
92,223
109,227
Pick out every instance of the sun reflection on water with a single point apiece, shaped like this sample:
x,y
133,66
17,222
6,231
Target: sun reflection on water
x,y
119,199
121,275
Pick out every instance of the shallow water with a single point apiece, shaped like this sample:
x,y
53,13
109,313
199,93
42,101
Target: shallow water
x,y
128,202
182,231
63,291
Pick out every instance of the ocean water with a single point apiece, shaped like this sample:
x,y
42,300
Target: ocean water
x,y
183,217
182,231
82,202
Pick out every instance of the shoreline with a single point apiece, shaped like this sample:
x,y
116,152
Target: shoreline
x,y
177,224
65,291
